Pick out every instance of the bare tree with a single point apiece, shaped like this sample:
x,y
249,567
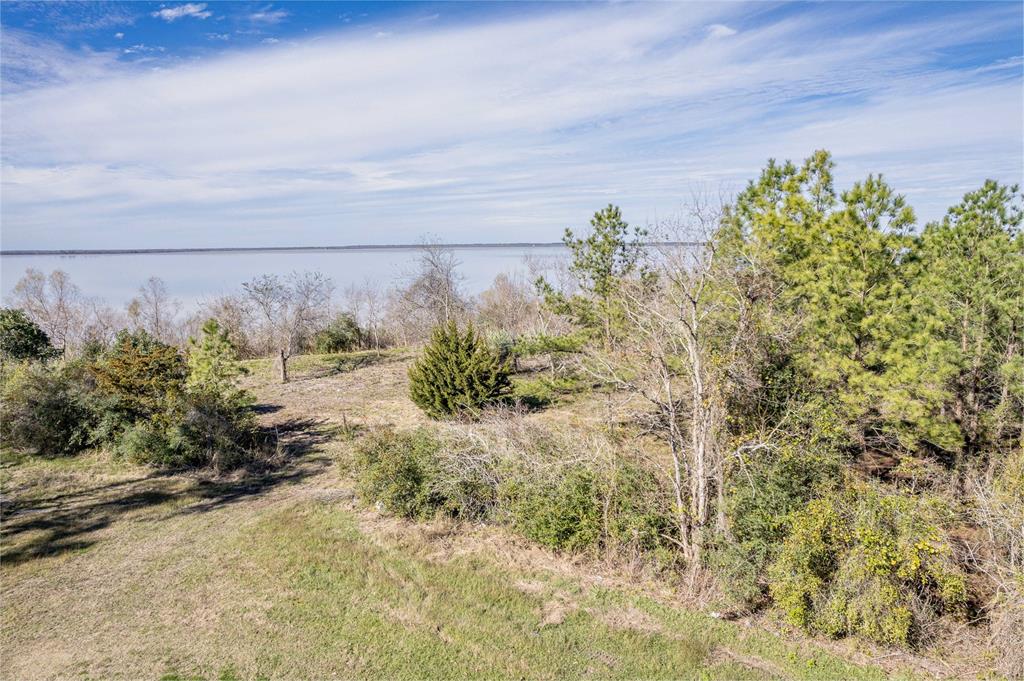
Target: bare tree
x,y
432,294
103,325
685,346
290,309
235,314
55,304
154,311
366,303
509,305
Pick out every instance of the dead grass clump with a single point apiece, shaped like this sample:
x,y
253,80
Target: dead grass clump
x,y
1008,629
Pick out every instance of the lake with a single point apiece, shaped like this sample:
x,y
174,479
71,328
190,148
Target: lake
x,y
193,277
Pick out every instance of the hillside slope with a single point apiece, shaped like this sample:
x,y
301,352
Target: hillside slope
x,y
114,571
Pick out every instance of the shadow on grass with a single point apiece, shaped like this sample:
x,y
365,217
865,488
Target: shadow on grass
x,y
346,363
35,528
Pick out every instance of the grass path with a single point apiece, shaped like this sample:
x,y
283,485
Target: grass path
x,y
110,571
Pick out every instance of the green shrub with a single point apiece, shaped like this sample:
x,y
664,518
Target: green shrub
x,y
869,563
545,390
341,335
156,409
542,343
138,379
21,338
760,496
198,429
46,409
515,475
638,509
560,511
396,470
457,374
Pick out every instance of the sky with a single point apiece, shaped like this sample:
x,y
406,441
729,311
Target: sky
x,y
162,125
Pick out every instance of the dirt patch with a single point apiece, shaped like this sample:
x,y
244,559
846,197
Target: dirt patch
x,y
553,612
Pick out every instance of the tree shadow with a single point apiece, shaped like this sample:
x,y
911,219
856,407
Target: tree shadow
x,y
70,521
348,363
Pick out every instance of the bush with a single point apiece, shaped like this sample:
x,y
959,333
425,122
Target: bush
x,y
869,563
198,429
158,410
638,509
585,506
759,499
46,409
545,390
138,379
21,338
457,374
396,470
341,335
560,512
525,476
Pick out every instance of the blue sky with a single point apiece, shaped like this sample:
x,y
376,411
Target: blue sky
x,y
287,123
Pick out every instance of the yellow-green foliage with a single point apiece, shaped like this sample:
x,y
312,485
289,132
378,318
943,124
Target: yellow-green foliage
x,y
866,562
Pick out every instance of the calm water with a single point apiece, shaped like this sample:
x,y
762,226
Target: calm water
x,y
193,277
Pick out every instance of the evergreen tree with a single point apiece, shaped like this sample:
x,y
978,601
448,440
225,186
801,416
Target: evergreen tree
x,y
457,374
599,262
972,271
840,272
213,362
140,377
21,338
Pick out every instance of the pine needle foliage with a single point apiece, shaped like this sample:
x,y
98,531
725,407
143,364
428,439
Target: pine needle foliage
x,y
457,374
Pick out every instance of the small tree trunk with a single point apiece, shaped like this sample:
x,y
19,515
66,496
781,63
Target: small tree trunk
x,y
283,359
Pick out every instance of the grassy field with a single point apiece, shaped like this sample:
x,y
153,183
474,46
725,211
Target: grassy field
x,y
115,571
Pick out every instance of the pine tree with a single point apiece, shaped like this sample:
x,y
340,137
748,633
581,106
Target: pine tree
x,y
971,270
842,271
213,362
599,262
457,374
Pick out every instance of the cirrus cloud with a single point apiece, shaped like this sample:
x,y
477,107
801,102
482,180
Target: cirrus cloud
x,y
191,9
503,129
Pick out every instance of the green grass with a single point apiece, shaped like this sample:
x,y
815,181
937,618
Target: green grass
x,y
299,583
347,604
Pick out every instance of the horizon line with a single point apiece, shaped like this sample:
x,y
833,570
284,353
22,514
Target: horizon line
x,y
273,249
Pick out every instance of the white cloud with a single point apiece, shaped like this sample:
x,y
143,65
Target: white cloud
x,y
500,131
142,49
119,35
218,36
720,31
191,9
267,15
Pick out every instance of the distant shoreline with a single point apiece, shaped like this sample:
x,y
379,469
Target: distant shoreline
x,y
280,249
